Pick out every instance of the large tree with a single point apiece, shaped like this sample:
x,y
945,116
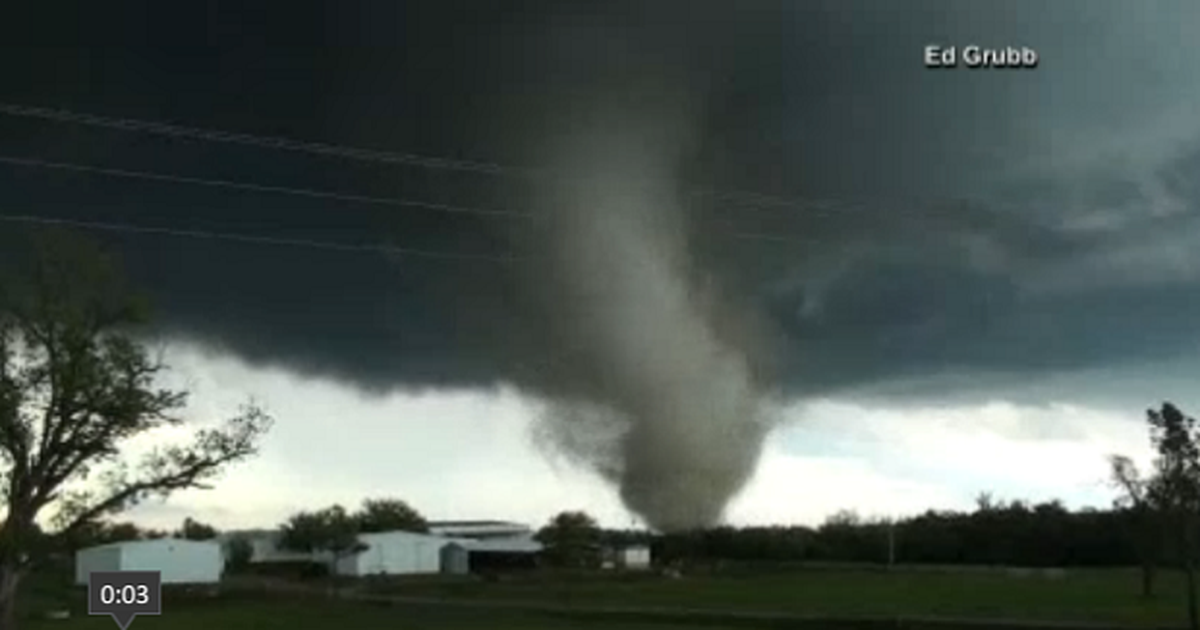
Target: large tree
x,y
1140,499
571,539
1177,485
195,530
239,553
76,385
331,531
386,515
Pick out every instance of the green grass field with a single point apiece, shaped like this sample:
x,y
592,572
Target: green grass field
x,y
1084,596
322,615
1109,596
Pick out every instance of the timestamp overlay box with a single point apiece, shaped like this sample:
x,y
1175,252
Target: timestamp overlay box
x,y
124,594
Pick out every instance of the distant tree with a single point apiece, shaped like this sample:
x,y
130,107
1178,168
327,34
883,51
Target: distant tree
x,y
1013,533
842,518
1174,436
195,530
985,502
238,553
98,533
1137,497
330,530
845,536
571,539
385,515
120,532
625,537
88,535
75,386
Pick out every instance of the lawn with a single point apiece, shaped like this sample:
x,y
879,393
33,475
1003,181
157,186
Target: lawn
x,y
1083,596
1102,596
238,609
280,614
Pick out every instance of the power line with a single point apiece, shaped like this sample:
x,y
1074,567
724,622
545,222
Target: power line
x,y
266,142
752,200
260,188
746,200
133,228
319,194
256,240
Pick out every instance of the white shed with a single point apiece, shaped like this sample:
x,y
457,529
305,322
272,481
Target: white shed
x,y
395,553
180,561
633,558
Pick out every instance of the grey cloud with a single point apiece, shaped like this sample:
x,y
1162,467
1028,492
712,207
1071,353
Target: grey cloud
x,y
1024,223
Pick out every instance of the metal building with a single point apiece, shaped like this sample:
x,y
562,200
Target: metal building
x,y
454,547
632,558
394,553
456,559
180,561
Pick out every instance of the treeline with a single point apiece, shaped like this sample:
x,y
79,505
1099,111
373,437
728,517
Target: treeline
x,y
105,532
1008,534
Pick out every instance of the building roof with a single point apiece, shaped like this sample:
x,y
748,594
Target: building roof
x,y
233,533
502,545
505,531
399,533
431,524
477,528
474,524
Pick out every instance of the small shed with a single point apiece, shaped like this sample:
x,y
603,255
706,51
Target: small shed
x,y
456,559
179,561
394,553
629,558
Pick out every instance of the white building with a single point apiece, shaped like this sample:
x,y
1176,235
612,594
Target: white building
x,y
408,553
395,553
405,553
179,561
632,558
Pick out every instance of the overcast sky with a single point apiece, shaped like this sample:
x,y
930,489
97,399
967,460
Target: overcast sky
x,y
949,281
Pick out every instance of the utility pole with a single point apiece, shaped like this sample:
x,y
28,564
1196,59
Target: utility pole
x,y
891,530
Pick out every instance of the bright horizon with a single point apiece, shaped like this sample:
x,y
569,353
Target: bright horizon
x,y
468,455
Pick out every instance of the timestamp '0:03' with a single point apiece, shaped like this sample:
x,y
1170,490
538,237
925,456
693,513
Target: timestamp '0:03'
x,y
128,594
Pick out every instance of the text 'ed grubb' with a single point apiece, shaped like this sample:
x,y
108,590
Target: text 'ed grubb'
x,y
979,57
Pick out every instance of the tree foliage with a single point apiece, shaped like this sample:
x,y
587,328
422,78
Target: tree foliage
x,y
195,530
239,551
102,533
331,530
1141,499
76,385
571,539
1012,533
1176,488
335,531
385,515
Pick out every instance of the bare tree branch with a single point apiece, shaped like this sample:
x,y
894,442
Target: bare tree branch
x,y
176,468
1126,477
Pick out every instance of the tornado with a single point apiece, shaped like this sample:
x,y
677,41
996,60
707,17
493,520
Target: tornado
x,y
653,384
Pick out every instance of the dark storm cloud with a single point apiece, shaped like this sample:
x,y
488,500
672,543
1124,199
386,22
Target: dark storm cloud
x,y
1017,221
